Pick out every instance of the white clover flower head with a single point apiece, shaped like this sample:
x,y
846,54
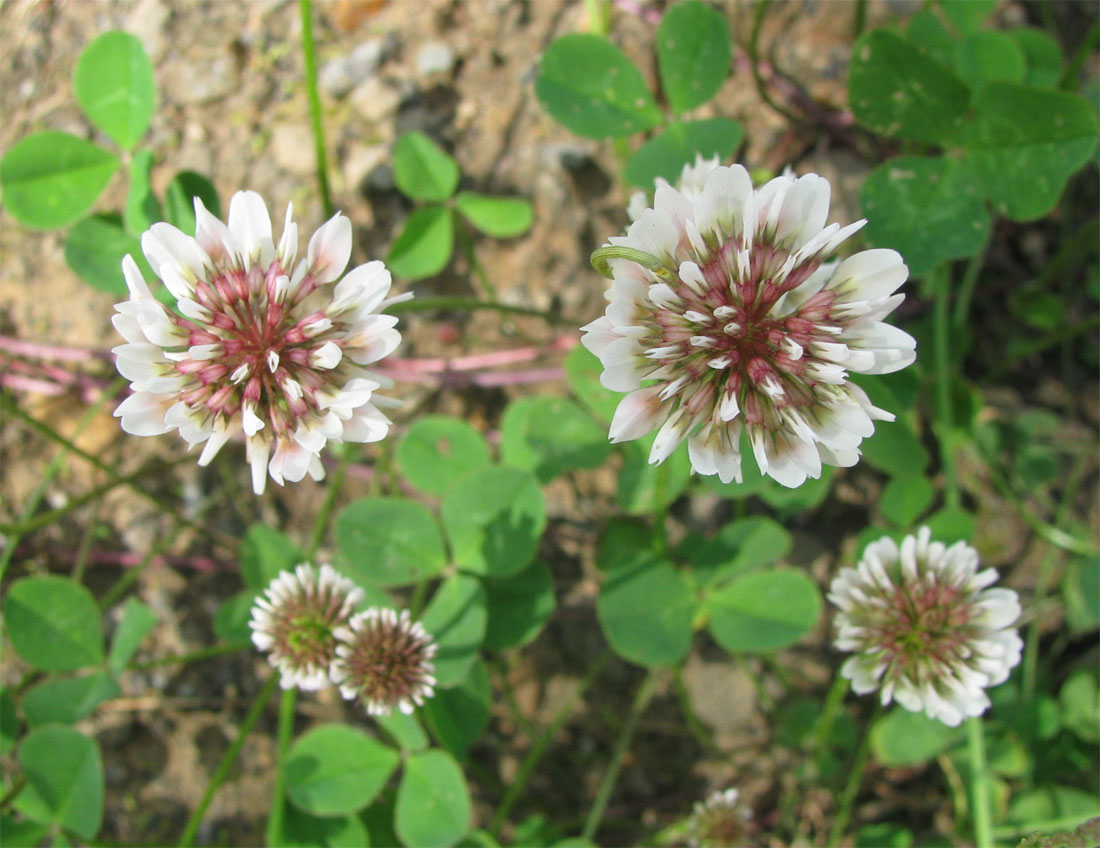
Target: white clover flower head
x,y
924,628
384,661
718,821
692,178
295,620
727,315
265,342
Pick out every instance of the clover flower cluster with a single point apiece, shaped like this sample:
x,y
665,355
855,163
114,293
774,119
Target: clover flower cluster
x,y
924,626
264,342
727,315
306,622
718,821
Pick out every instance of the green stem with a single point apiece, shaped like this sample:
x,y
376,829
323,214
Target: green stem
x,y
1080,56
660,509
599,16
130,576
475,265
227,761
183,659
45,518
1031,641
309,52
823,728
516,787
979,781
753,49
45,430
942,349
855,780
968,284
278,802
1010,831
622,745
332,490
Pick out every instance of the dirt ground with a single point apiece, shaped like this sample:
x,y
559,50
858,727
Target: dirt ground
x,y
232,105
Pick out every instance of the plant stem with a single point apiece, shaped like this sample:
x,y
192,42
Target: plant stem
x,y
599,16
309,53
332,490
660,509
855,780
979,781
278,802
968,284
516,787
753,49
45,518
475,265
622,745
944,397
1031,640
183,659
227,761
1080,56
823,728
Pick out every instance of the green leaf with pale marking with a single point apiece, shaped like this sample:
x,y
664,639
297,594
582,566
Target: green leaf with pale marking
x,y
902,738
763,611
389,542
94,250
519,606
50,179
693,54
549,436
68,700
335,770
456,619
1038,136
114,86
265,553
142,208
179,199
665,154
494,519
646,612
927,209
422,169
896,89
64,773
589,85
54,623
459,714
136,623
424,246
437,450
433,801
989,56
501,217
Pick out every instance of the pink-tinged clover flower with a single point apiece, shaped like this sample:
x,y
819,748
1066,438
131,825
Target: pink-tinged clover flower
x,y
728,314
265,343
295,622
384,661
719,821
924,627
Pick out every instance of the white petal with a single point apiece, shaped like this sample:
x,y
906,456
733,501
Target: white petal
x,y
250,224
330,248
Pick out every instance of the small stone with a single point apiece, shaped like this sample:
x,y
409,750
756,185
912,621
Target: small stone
x,y
361,160
291,147
375,99
341,74
148,22
435,57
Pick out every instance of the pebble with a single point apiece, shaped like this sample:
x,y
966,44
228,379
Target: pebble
x,y
341,74
291,147
376,99
435,57
148,22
